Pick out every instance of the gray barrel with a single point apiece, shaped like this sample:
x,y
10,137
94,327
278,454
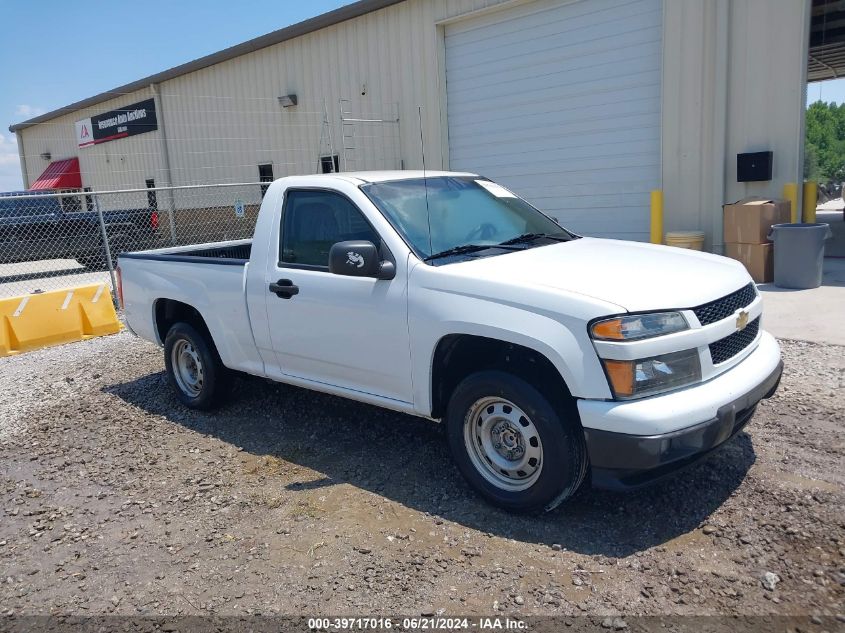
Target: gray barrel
x,y
799,254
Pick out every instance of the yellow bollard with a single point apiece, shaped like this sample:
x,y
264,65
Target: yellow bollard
x,y
657,216
811,199
790,192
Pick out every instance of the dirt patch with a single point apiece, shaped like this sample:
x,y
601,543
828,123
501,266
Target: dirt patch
x,y
115,499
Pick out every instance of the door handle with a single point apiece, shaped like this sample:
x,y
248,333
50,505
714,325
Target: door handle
x,y
284,289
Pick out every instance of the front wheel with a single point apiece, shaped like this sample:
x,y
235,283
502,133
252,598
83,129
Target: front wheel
x,y
512,445
194,368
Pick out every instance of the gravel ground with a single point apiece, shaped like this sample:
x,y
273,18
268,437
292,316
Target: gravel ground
x,y
116,500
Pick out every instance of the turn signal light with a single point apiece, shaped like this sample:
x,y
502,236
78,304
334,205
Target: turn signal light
x,y
649,376
119,276
610,329
620,373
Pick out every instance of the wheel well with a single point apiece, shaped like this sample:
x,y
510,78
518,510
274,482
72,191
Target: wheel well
x,y
169,311
459,355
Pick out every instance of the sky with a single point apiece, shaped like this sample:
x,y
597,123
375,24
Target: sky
x,y
66,51
833,90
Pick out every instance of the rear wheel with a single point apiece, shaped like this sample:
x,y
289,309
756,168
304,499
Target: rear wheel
x,y
93,262
96,259
194,368
512,445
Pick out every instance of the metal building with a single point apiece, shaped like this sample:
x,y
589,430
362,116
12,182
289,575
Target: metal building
x,y
581,106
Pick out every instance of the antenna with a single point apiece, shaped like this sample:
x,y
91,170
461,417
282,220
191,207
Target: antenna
x,y
425,182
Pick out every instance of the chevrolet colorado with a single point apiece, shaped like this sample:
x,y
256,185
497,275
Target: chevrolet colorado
x,y
549,356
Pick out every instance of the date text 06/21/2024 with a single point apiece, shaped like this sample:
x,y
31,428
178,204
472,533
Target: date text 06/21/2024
x,y
417,623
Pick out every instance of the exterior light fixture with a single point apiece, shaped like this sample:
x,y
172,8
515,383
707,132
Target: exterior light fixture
x,y
46,156
286,101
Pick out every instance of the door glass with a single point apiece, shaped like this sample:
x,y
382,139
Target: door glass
x,y
314,221
71,204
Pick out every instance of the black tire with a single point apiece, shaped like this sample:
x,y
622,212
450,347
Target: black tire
x,y
563,455
97,260
214,378
93,262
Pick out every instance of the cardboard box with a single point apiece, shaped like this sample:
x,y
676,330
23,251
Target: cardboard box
x,y
748,221
758,259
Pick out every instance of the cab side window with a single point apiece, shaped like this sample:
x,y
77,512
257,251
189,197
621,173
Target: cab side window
x,y
315,220
22,206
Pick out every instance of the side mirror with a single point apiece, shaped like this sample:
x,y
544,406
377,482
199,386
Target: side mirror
x,y
358,258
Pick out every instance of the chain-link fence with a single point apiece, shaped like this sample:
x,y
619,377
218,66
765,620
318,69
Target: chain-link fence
x,y
58,240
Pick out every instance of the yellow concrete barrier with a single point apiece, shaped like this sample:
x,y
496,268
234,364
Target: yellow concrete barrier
x,y
59,316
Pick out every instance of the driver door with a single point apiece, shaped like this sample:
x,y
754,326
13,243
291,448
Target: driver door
x,y
350,332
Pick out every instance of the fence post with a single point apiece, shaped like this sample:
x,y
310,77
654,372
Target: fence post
x,y
171,215
105,237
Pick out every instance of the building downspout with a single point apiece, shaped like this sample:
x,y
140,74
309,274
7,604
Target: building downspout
x,y
22,156
164,148
720,120
805,48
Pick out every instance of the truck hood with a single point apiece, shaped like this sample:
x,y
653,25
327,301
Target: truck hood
x,y
634,275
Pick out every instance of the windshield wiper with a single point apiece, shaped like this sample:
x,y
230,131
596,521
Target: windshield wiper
x,y
471,248
530,237
460,250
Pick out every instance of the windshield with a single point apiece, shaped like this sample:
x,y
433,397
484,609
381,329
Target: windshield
x,y
443,213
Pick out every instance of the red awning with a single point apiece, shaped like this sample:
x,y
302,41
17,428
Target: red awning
x,y
61,174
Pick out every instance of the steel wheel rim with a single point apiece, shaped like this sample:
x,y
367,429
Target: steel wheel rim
x,y
187,368
503,444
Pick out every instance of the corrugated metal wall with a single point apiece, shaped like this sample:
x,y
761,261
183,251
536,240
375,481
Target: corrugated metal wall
x,y
561,102
733,79
123,163
732,75
385,62
223,121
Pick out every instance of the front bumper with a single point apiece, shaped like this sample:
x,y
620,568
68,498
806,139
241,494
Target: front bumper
x,y
621,461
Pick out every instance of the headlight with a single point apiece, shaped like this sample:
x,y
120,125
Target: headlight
x,y
648,376
631,327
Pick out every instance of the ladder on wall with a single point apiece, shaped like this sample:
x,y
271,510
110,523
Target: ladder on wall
x,y
326,148
378,134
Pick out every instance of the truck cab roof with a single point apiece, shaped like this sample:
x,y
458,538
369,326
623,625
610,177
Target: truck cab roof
x,y
361,177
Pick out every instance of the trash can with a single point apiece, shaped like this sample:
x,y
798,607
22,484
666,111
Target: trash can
x,y
686,239
799,254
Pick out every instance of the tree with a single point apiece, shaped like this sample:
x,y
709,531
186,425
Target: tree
x,y
811,163
824,145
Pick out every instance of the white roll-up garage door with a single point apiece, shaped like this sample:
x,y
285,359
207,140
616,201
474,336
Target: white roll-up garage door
x,y
560,101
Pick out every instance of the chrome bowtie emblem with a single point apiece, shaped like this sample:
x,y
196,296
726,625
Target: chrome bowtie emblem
x,y
741,321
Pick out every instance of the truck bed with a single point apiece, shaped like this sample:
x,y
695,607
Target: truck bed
x,y
208,277
232,253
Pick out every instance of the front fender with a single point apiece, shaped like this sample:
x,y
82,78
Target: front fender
x,y
559,334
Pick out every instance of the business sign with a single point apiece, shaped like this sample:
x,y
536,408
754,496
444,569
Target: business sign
x,y
108,126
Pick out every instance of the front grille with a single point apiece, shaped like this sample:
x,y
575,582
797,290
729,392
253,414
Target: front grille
x,y
726,306
728,347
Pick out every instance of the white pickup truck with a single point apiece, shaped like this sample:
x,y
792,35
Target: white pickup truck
x,y
549,356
